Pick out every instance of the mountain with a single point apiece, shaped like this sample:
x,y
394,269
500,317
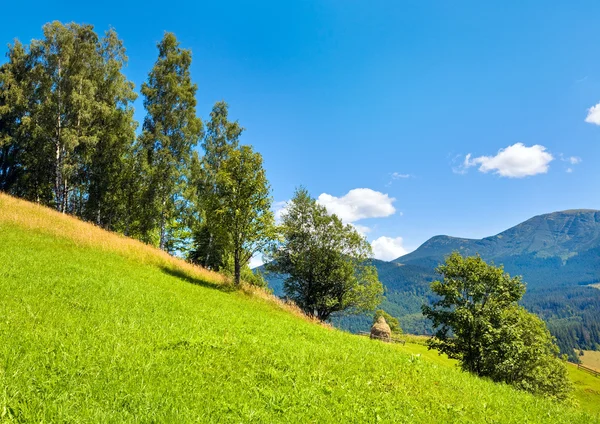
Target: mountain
x,y
558,255
560,236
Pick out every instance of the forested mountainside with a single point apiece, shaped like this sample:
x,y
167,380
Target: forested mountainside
x,y
558,255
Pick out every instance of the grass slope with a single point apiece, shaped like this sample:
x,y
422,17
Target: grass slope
x,y
98,328
586,386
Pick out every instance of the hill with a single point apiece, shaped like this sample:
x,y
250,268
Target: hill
x,y
99,328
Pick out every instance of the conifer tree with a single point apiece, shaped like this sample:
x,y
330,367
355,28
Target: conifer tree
x,y
107,173
171,129
14,76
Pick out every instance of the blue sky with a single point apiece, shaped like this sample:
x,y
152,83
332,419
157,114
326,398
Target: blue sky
x,y
388,97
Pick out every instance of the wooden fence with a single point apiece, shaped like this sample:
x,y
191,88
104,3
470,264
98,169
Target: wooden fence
x,y
391,340
590,370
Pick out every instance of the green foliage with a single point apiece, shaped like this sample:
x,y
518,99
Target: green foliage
x,y
392,322
171,130
245,206
210,240
66,122
521,352
109,174
325,262
100,337
478,322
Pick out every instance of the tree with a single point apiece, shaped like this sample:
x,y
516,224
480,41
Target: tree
x,y
477,321
523,353
221,138
325,263
66,70
13,109
392,321
245,213
109,181
65,120
171,129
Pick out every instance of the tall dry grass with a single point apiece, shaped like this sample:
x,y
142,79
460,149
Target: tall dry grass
x,y
31,216
35,217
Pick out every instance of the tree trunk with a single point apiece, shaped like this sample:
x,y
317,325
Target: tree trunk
x,y
208,248
58,183
237,267
162,241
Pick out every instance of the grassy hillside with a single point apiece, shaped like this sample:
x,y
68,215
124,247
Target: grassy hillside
x,y
586,386
98,328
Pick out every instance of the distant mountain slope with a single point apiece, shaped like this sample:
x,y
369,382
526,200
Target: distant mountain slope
x,y
558,255
556,235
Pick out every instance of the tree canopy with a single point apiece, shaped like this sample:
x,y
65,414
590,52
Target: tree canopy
x,y
477,320
325,263
171,130
245,214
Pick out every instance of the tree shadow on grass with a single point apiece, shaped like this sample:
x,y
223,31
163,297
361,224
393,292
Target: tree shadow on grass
x,y
182,275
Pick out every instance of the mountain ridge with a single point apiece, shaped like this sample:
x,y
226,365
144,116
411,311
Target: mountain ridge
x,y
544,235
557,254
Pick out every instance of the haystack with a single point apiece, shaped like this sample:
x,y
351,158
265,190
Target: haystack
x,y
381,330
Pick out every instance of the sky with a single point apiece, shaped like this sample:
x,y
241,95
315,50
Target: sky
x,y
408,119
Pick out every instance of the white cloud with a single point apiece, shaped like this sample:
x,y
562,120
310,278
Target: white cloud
x,y
359,203
516,161
394,176
387,248
279,208
458,165
571,160
256,261
593,116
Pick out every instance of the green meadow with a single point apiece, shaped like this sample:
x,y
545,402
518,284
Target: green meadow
x,y
95,327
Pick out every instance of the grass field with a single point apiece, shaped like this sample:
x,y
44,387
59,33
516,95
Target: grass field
x,y
98,328
586,386
591,359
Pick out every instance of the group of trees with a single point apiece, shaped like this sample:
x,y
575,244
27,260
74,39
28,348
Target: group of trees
x,y
68,140
479,322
